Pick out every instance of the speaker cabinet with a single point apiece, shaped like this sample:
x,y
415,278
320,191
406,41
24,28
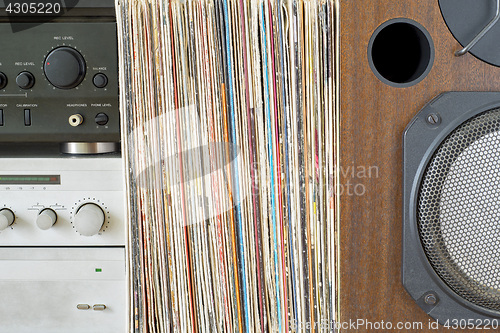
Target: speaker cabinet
x,y
420,245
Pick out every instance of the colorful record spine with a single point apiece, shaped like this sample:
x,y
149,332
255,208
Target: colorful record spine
x,y
230,122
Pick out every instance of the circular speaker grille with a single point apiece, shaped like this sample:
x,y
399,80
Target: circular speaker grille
x,y
459,210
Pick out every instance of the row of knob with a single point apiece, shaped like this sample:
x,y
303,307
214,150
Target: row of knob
x,y
26,80
88,220
65,68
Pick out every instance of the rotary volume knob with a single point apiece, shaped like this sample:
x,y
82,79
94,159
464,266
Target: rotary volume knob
x,y
89,219
46,219
7,217
25,80
64,67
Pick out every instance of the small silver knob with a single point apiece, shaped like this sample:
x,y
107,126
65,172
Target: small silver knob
x,y
46,219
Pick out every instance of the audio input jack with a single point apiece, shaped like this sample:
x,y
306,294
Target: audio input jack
x,y
75,120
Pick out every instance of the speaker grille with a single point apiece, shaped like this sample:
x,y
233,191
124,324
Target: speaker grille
x,y
458,210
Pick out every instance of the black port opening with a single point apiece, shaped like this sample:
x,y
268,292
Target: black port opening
x,y
401,52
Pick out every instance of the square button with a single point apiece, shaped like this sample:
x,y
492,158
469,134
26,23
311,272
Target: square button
x,y
27,117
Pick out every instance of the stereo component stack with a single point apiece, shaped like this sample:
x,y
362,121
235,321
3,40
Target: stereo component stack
x,y
62,204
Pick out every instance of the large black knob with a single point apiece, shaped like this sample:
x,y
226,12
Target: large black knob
x,y
65,67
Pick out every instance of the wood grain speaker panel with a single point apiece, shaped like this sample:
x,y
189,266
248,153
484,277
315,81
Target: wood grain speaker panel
x,y
373,118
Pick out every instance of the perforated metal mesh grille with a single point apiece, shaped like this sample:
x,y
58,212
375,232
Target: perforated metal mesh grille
x,y
459,210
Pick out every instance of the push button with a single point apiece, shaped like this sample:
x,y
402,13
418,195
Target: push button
x,y
83,306
99,307
27,117
1,117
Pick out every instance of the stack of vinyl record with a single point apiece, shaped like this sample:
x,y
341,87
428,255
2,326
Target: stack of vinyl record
x,y
230,134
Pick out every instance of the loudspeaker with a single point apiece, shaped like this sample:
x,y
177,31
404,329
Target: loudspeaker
x,y
451,195
419,244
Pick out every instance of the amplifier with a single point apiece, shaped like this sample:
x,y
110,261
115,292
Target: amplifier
x,y
59,78
62,201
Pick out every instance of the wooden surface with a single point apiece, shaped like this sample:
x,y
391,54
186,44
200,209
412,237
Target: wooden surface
x,y
373,117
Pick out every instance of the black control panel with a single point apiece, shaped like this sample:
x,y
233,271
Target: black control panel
x,y
59,82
